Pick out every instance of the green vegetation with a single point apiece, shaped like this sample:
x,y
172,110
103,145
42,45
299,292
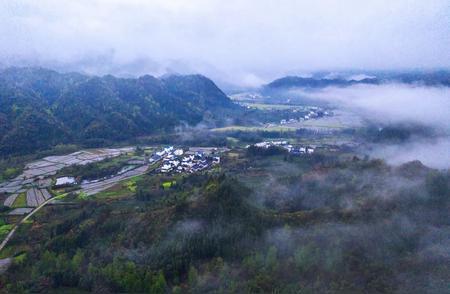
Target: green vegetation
x,y
21,201
10,173
264,223
41,108
254,129
267,106
131,185
168,184
4,230
82,195
96,170
122,189
20,259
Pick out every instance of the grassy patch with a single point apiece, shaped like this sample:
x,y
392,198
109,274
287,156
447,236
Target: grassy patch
x,y
168,184
60,196
4,230
20,259
323,123
28,222
254,129
82,195
11,250
21,201
131,185
264,106
120,190
233,155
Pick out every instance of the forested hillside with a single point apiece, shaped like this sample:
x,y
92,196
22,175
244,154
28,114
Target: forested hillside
x,y
435,78
40,108
260,224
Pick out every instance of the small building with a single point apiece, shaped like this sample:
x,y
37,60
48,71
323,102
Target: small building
x,y
216,160
178,152
65,181
168,149
166,168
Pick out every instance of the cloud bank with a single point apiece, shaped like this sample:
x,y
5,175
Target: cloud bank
x,y
391,104
242,42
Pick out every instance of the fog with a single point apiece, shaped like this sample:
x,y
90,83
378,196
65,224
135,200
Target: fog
x,y
238,42
433,153
391,103
398,104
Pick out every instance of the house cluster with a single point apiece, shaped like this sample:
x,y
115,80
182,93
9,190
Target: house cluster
x,y
314,112
296,150
177,161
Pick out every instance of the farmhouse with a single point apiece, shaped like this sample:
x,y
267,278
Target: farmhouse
x,y
178,152
64,182
296,150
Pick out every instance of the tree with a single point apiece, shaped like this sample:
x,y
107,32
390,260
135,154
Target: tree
x,y
271,259
192,276
158,284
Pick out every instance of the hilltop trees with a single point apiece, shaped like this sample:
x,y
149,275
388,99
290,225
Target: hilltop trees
x,y
42,108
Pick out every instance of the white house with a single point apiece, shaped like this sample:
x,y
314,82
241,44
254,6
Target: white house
x,y
64,181
178,152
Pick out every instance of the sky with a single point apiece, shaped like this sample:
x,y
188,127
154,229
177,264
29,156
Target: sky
x,y
235,41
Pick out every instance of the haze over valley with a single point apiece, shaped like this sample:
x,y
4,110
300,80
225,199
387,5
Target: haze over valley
x,y
238,147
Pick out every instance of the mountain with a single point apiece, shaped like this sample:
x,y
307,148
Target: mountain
x,y
293,81
435,78
40,108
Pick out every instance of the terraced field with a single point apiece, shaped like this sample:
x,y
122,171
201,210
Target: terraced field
x,y
10,200
36,197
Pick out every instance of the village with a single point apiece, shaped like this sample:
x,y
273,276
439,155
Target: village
x,y
314,112
169,160
294,150
193,160
34,186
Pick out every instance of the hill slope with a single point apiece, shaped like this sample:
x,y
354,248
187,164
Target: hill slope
x,y
40,108
437,78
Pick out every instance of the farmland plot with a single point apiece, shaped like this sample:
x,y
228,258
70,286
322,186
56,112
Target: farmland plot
x,y
31,198
96,187
36,197
21,211
10,200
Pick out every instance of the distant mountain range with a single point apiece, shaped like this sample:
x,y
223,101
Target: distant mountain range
x,y
40,108
438,78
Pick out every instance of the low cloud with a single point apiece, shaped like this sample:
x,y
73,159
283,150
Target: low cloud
x,y
392,103
434,153
242,42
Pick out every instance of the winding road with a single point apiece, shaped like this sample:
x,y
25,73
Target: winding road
x,y
11,233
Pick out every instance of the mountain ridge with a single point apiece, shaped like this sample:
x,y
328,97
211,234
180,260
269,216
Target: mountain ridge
x,y
436,78
41,107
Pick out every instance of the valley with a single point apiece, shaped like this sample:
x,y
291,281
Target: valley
x,y
255,186
208,147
